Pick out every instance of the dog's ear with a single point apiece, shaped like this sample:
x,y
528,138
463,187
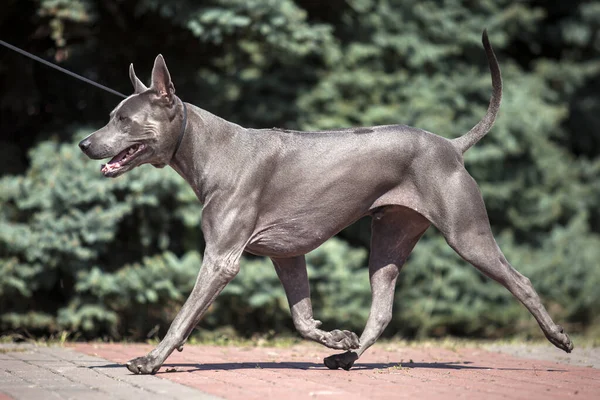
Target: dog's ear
x,y
161,80
138,86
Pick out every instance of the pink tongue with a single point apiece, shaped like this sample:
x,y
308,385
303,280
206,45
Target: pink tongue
x,y
110,166
115,163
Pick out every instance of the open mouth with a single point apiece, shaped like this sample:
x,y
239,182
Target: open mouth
x,y
121,160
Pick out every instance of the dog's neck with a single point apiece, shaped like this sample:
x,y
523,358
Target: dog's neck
x,y
193,161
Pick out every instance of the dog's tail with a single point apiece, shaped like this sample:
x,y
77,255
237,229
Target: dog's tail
x,y
465,142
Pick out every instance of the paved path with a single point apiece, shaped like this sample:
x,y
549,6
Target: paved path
x,y
387,371
30,372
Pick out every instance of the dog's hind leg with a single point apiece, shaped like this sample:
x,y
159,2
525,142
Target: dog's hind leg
x,y
395,231
293,276
464,222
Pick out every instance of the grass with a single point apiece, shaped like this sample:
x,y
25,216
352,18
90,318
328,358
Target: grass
x,y
58,339
4,350
228,337
450,342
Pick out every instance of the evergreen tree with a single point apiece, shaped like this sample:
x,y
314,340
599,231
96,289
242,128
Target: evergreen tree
x,y
116,258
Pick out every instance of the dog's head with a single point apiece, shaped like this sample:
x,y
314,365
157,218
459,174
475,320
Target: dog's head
x,y
142,129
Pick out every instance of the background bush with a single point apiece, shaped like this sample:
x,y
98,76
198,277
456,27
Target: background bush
x,y
116,258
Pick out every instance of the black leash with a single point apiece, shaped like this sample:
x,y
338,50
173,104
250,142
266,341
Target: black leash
x,y
91,82
61,69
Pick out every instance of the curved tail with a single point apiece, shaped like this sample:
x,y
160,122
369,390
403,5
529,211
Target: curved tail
x,y
464,142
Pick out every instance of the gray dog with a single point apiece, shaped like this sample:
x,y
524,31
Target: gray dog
x,y
282,193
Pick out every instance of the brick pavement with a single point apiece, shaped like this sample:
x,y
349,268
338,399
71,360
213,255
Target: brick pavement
x,y
386,371
88,371
29,372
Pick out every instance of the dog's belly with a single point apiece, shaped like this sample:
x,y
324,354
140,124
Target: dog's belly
x,y
293,237
283,245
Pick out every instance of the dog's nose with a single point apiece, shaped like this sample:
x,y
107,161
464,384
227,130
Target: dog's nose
x,y
84,144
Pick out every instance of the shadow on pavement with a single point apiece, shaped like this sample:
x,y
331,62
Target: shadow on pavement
x,y
192,367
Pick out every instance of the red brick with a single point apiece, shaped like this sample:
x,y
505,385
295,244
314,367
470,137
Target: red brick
x,y
384,372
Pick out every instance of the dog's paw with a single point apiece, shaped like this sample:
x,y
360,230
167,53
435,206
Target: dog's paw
x,y
143,365
560,339
340,340
344,360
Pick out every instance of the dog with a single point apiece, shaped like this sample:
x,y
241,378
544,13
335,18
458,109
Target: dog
x,y
282,193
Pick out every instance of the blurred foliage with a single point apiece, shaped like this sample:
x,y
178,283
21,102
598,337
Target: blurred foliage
x,y
116,258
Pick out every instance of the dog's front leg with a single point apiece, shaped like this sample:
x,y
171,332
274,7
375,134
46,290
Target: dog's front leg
x,y
213,277
224,248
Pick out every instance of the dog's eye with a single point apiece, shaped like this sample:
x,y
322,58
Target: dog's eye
x,y
122,118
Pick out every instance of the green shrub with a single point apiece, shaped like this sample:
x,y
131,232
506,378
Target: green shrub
x,y
97,257
63,222
116,258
